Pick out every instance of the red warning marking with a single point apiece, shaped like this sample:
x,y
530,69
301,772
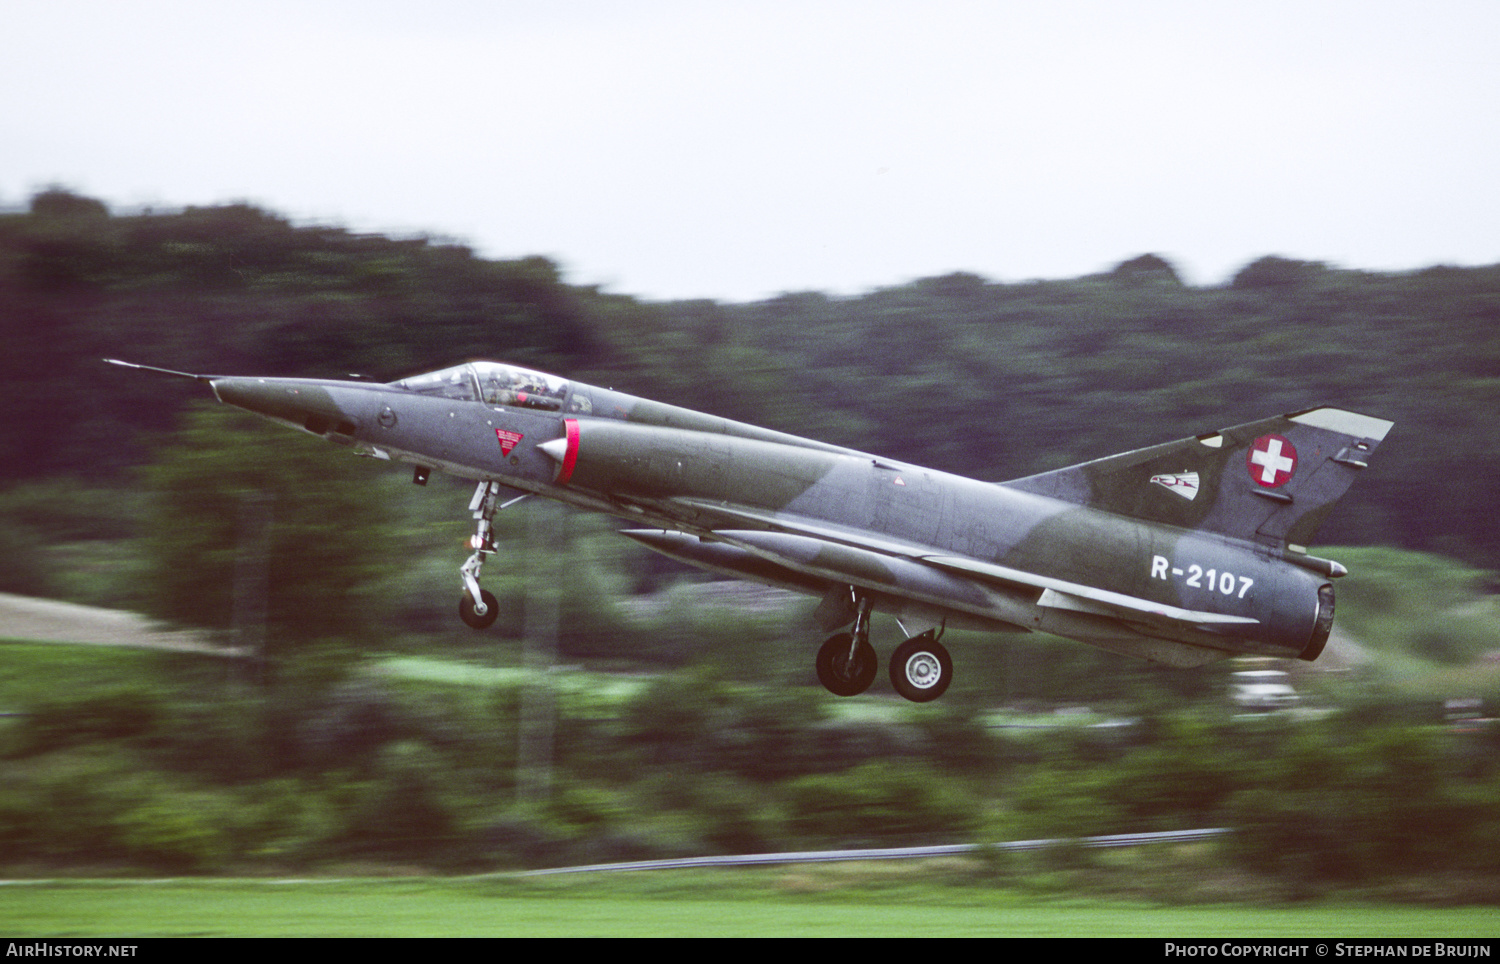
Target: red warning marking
x,y
570,455
508,440
1271,461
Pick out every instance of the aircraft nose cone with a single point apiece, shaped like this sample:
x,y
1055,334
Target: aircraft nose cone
x,y
255,394
263,396
292,401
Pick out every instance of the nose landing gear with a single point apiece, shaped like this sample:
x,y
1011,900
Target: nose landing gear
x,y
478,607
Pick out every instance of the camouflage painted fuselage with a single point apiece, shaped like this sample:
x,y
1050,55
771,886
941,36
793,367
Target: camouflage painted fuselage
x,y
1182,553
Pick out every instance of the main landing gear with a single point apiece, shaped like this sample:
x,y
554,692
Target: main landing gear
x,y
478,607
921,668
846,661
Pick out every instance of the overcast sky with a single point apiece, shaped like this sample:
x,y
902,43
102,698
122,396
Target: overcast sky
x,y
674,149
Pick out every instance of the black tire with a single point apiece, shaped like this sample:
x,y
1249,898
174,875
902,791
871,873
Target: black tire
x,y
841,675
467,613
921,668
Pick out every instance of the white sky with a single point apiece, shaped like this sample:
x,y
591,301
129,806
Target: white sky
x,y
674,149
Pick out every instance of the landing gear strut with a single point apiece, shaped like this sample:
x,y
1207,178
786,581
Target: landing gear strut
x,y
847,666
846,661
478,607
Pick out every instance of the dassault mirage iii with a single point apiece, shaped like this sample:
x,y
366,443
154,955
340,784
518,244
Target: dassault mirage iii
x,y
1182,553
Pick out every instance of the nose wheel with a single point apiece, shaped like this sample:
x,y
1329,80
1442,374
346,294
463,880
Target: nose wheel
x,y
474,616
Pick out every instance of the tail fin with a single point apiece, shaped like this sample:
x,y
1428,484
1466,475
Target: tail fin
x,y
1272,481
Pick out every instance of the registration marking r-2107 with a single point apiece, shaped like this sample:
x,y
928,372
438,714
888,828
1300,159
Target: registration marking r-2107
x,y
1195,576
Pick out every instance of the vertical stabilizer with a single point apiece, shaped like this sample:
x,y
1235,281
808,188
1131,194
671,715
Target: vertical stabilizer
x,y
1273,481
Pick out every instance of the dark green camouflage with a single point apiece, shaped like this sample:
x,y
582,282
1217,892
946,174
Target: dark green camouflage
x,y
1183,552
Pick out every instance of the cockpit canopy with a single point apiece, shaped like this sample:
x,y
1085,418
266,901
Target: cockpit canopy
x,y
492,383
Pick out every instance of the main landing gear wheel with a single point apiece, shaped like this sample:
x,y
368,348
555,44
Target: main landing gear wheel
x,y
471,615
846,668
921,668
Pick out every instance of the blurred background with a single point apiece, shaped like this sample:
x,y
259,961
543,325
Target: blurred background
x,y
994,239
307,698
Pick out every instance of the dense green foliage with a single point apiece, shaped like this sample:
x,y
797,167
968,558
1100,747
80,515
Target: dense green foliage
x,y
250,518
998,380
120,488
180,768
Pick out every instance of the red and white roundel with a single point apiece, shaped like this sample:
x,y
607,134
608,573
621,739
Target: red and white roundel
x,y
1271,461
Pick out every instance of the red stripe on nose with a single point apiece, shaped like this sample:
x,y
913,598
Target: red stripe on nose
x,y
570,456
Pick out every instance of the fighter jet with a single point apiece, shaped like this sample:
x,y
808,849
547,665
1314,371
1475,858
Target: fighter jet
x,y
1181,553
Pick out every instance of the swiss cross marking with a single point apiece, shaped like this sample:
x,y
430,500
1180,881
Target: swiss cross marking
x,y
1271,460
508,440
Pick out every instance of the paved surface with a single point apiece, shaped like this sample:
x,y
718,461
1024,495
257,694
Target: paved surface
x,y
47,620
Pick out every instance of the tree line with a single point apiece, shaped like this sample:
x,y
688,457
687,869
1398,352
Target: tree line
x,y
989,379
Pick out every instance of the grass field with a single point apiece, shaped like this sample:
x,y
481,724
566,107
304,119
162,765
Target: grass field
x,y
760,903
870,899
